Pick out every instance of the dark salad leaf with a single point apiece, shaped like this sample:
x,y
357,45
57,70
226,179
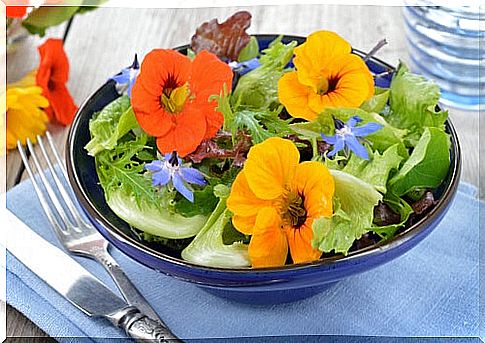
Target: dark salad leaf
x,y
225,40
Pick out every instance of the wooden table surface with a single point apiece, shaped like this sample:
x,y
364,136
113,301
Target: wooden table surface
x,y
101,42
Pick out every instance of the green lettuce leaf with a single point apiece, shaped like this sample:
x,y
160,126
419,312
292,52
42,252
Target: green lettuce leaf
x,y
208,247
427,166
109,125
258,89
152,219
130,194
376,170
250,51
413,101
378,102
354,202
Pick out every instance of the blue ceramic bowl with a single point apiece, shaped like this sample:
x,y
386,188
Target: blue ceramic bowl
x,y
256,286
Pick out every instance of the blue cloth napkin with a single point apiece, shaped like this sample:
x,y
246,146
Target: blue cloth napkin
x,y
433,290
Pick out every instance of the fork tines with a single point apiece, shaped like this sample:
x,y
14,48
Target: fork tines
x,y
47,194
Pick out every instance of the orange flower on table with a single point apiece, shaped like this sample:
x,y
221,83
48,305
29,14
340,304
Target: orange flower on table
x,y
52,76
24,110
327,75
275,199
170,98
16,11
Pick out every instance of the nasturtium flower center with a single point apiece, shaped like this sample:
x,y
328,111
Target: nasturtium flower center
x,y
322,87
293,210
173,100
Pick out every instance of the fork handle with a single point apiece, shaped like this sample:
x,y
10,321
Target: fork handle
x,y
126,287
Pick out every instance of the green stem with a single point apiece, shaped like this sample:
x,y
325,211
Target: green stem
x,y
314,147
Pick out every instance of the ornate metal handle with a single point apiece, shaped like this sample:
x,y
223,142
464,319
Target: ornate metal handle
x,y
126,287
142,328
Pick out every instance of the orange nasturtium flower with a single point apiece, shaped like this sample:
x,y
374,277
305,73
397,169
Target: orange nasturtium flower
x,y
52,76
16,11
275,199
170,98
327,75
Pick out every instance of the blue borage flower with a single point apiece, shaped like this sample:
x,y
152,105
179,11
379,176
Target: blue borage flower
x,y
244,67
128,75
170,168
346,136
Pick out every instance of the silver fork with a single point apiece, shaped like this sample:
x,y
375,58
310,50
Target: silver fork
x,y
76,234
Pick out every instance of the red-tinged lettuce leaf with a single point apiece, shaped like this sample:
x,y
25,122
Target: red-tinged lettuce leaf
x,y
225,40
216,149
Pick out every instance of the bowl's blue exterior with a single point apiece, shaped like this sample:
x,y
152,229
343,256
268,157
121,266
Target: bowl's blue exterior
x,y
257,286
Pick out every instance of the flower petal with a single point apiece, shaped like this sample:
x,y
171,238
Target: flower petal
x,y
209,74
338,146
367,129
186,134
242,201
179,185
161,68
161,177
313,57
62,104
329,139
300,242
154,166
194,176
294,96
353,121
315,183
244,224
123,77
268,246
51,76
270,167
355,146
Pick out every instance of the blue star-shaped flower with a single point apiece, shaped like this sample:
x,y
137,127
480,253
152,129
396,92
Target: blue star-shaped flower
x,y
170,168
244,67
127,76
347,136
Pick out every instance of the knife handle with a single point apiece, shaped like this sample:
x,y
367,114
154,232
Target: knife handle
x,y
144,329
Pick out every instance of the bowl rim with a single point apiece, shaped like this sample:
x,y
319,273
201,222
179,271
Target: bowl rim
x,y
375,249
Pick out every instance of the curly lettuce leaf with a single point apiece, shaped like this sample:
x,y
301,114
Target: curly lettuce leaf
x,y
354,202
413,103
109,125
261,123
427,166
208,247
130,194
376,170
259,88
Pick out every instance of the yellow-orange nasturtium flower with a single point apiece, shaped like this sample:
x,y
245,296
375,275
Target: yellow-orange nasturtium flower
x,y
327,75
275,199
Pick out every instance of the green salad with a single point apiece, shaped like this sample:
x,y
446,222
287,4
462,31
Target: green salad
x,y
234,156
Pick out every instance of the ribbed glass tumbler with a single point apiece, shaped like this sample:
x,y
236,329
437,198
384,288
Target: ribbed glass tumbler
x,y
447,44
